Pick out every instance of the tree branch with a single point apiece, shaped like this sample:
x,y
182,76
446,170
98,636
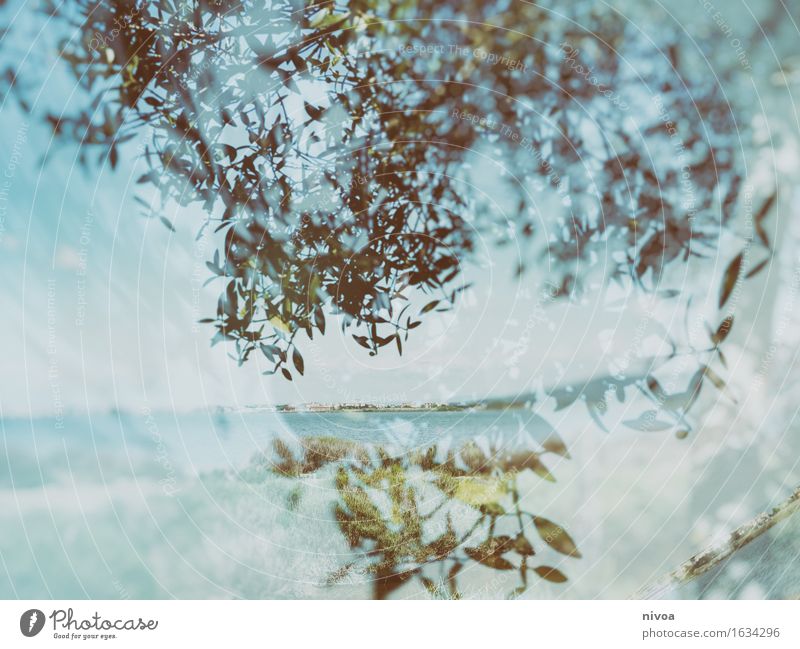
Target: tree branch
x,y
716,554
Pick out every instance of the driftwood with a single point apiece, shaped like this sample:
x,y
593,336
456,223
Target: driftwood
x,y
712,556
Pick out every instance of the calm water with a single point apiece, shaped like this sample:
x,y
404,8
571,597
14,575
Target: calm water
x,y
201,505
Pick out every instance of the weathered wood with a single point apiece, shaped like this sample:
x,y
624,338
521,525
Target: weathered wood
x,y
712,556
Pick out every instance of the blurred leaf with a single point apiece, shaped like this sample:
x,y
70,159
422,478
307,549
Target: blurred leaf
x,y
760,216
279,324
523,546
312,111
730,279
647,422
715,379
297,359
430,306
362,340
551,574
477,491
522,460
451,579
554,444
384,586
556,537
268,351
430,585
167,223
722,331
319,319
489,553
757,268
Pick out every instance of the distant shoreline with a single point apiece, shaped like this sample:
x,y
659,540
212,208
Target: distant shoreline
x,y
376,409
478,406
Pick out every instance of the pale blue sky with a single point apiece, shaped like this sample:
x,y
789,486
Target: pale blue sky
x,y
101,304
74,236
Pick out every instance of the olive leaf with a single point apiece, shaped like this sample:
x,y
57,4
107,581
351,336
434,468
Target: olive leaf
x,y
556,537
648,422
551,574
730,279
722,331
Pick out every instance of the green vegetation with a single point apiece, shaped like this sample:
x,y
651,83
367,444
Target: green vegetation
x,y
427,515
